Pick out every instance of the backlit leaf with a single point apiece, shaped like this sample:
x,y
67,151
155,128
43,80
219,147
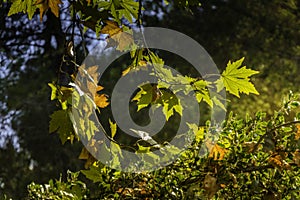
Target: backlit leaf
x,y
44,5
101,100
53,91
113,128
236,80
198,131
22,6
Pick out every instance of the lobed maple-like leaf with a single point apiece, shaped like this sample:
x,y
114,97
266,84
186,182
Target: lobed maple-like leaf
x,y
61,123
236,80
46,4
123,39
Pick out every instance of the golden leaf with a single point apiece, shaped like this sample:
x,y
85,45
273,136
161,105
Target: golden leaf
x,y
46,4
111,28
216,151
123,39
101,100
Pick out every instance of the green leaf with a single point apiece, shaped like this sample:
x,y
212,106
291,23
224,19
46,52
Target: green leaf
x,y
93,174
22,6
61,123
204,95
15,7
198,131
113,128
170,104
236,80
144,96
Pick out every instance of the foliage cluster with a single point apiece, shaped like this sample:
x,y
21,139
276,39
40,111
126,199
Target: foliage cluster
x,y
257,156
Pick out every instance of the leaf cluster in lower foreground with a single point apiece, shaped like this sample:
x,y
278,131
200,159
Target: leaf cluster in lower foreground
x,y
256,157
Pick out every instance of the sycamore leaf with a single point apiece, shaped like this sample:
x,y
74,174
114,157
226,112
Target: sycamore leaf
x,y
170,104
111,28
204,95
144,96
46,4
123,39
94,174
236,80
61,123
101,100
22,6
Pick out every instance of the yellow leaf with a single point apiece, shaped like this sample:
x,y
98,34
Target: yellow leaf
x,y
113,128
46,4
216,152
101,100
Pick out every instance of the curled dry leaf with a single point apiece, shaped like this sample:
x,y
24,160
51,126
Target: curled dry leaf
x,y
216,151
297,135
278,161
210,185
296,157
249,146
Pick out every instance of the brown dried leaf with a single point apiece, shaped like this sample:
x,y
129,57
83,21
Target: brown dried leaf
x,y
216,151
46,4
296,157
297,136
277,161
210,185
